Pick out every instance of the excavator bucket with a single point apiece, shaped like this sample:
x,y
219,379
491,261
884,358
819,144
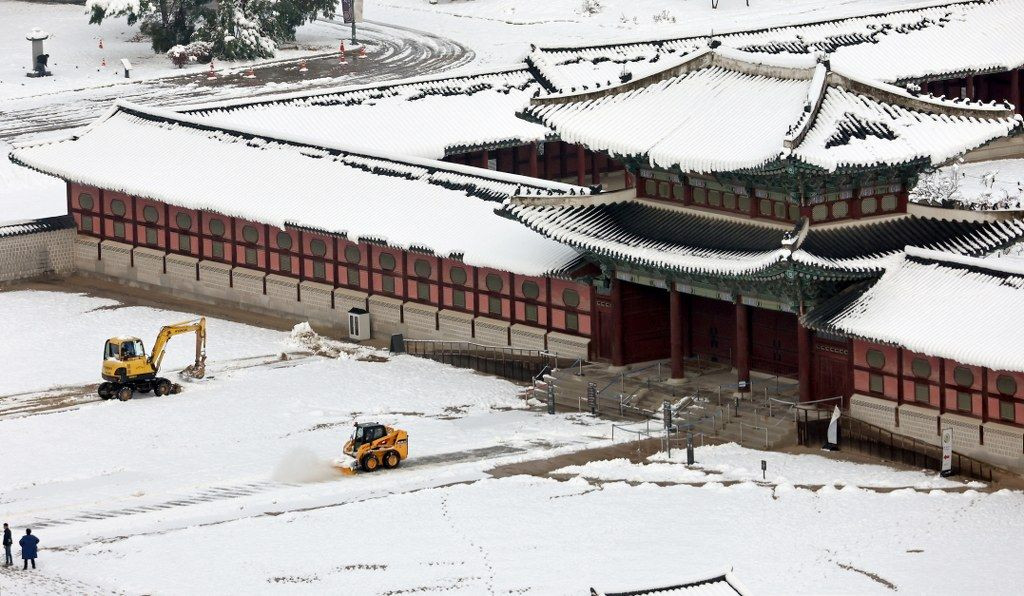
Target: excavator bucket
x,y
196,370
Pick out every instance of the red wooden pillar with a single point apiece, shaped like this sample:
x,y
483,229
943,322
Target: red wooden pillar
x,y
1015,89
618,351
534,170
742,345
970,87
595,173
581,165
677,332
803,347
485,158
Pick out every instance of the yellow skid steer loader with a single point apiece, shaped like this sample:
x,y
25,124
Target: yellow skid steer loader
x,y
374,446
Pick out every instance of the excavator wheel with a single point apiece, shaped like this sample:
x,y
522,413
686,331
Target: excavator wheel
x,y
391,459
124,393
105,390
370,463
144,387
162,387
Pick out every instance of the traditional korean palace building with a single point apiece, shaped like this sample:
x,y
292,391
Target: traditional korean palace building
x,y
742,199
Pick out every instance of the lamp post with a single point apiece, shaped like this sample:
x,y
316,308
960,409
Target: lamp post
x,y
37,36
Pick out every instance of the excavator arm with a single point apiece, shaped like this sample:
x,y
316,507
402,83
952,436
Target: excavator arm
x,y
197,326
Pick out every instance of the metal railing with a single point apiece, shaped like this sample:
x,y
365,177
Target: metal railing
x,y
518,364
876,441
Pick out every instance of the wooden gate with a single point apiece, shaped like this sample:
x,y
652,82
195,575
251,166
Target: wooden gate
x,y
712,328
773,341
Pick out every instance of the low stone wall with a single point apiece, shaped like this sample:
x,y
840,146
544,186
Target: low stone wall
x,y
322,305
991,442
25,254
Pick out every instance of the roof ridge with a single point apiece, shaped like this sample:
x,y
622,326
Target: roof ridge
x,y
310,93
963,261
432,165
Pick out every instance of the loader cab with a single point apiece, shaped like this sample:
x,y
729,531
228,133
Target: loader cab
x,y
367,433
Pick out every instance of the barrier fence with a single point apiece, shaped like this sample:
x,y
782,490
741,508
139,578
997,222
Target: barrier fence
x,y
864,437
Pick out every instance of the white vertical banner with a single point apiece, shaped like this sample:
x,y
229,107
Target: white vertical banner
x,y
352,11
832,439
947,452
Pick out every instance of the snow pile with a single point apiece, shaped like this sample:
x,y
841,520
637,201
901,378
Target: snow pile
x,y
304,338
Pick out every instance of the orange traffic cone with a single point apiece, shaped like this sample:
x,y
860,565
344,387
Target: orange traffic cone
x,y
103,62
302,66
341,55
211,75
362,52
101,43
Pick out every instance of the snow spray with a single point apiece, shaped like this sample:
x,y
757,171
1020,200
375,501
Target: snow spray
x,y
302,466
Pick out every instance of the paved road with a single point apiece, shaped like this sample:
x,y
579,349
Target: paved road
x,y
392,53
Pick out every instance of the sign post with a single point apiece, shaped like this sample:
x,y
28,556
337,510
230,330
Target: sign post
x,y
689,448
592,397
947,452
551,398
764,469
352,12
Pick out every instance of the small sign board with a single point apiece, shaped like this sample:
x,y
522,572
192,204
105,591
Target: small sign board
x,y
764,469
947,452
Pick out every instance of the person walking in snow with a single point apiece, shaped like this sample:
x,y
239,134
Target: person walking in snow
x,y
8,541
28,544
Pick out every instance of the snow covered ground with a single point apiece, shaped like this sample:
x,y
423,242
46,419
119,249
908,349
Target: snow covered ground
x,y
227,488
75,55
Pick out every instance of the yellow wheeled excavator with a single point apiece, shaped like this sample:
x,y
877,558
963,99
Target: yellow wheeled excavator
x,y
127,369
374,446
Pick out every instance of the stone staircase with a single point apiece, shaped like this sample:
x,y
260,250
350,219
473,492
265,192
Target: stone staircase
x,y
704,403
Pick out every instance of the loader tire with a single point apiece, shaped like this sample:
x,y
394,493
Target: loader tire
x,y
105,390
162,387
391,460
370,463
124,393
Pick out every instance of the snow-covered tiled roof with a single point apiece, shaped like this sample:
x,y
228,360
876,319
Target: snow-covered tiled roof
x,y
410,202
950,306
649,235
33,226
724,110
921,43
427,117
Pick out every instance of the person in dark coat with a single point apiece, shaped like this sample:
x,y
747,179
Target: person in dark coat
x,y
28,544
8,541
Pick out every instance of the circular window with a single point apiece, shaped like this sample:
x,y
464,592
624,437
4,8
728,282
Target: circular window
x,y
819,212
764,206
249,233
781,210
494,282
921,367
318,247
457,275
421,267
284,240
117,207
85,201
150,214
531,290
217,227
889,203
875,359
184,221
963,376
386,261
353,254
570,298
840,209
1006,385
868,205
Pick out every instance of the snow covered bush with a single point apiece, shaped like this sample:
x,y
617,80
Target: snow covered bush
x,y
591,7
197,51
